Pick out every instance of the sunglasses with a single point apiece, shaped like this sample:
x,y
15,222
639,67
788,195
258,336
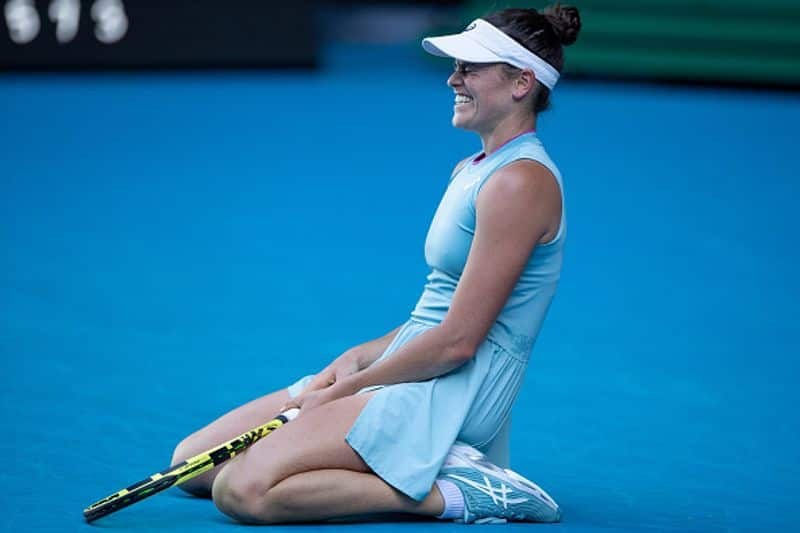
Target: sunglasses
x,y
465,67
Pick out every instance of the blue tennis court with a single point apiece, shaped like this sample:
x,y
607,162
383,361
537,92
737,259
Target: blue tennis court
x,y
176,244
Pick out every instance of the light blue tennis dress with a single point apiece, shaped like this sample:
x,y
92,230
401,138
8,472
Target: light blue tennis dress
x,y
406,430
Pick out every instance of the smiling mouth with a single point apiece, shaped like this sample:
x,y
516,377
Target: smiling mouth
x,y
462,99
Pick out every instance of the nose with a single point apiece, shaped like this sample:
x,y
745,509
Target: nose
x,y
455,79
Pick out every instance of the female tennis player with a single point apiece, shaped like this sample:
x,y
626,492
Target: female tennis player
x,y
400,423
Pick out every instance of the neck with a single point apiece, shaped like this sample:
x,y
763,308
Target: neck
x,y
505,131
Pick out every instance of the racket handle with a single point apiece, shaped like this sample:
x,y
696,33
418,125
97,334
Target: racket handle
x,y
291,414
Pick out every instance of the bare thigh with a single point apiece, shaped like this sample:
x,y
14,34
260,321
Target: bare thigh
x,y
314,441
225,428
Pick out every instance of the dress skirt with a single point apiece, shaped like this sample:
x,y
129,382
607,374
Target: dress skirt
x,y
406,430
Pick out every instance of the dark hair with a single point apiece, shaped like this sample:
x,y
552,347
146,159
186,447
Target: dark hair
x,y
544,33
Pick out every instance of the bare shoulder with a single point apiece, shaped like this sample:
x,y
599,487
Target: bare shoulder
x,y
527,177
527,191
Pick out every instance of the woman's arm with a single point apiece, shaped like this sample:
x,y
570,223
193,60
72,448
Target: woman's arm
x,y
365,354
351,361
519,206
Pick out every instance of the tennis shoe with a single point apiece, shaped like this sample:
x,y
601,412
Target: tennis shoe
x,y
493,495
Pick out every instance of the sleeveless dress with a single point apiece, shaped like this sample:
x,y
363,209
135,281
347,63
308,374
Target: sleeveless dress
x,y
406,430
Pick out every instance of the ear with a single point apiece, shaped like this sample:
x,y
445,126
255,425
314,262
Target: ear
x,y
524,84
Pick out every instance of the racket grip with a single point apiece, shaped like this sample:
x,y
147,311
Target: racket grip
x,y
291,414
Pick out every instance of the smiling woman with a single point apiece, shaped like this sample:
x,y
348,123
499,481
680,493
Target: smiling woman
x,y
515,39
401,423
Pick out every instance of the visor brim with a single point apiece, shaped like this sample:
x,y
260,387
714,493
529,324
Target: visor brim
x,y
459,47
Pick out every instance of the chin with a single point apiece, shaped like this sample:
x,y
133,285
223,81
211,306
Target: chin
x,y
459,122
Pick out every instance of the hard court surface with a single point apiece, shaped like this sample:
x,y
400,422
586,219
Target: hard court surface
x,y
174,245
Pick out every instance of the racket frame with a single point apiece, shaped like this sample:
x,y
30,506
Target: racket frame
x,y
186,470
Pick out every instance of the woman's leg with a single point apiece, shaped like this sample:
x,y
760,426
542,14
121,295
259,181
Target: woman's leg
x,y
227,427
326,494
306,471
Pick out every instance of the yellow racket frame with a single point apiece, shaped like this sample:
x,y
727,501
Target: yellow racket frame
x,y
188,469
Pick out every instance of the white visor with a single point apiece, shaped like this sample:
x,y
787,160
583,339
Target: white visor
x,y
481,42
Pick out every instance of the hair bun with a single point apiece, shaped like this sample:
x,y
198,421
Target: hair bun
x,y
565,20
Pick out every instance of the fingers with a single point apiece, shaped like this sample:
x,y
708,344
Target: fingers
x,y
321,381
327,378
292,403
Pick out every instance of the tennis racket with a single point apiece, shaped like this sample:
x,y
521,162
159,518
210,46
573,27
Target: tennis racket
x,y
190,468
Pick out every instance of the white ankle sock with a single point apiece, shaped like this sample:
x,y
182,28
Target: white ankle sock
x,y
453,500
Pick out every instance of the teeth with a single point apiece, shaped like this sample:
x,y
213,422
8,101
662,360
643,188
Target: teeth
x,y
463,99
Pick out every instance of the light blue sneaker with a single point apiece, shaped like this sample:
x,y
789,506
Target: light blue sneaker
x,y
493,495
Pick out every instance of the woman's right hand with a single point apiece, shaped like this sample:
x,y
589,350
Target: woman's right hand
x,y
343,366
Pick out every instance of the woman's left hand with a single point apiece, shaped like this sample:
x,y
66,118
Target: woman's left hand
x,y
309,400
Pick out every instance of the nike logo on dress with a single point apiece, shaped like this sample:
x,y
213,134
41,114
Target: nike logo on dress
x,y
471,183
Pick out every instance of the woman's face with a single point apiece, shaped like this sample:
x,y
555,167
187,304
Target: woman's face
x,y
483,95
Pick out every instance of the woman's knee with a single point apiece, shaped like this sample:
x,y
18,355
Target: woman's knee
x,y
189,447
246,499
252,504
182,451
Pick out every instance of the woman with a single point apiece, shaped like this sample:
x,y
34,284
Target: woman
x,y
378,428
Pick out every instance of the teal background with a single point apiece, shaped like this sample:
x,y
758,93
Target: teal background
x,y
176,244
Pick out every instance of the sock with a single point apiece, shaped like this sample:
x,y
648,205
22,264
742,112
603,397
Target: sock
x,y
453,500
